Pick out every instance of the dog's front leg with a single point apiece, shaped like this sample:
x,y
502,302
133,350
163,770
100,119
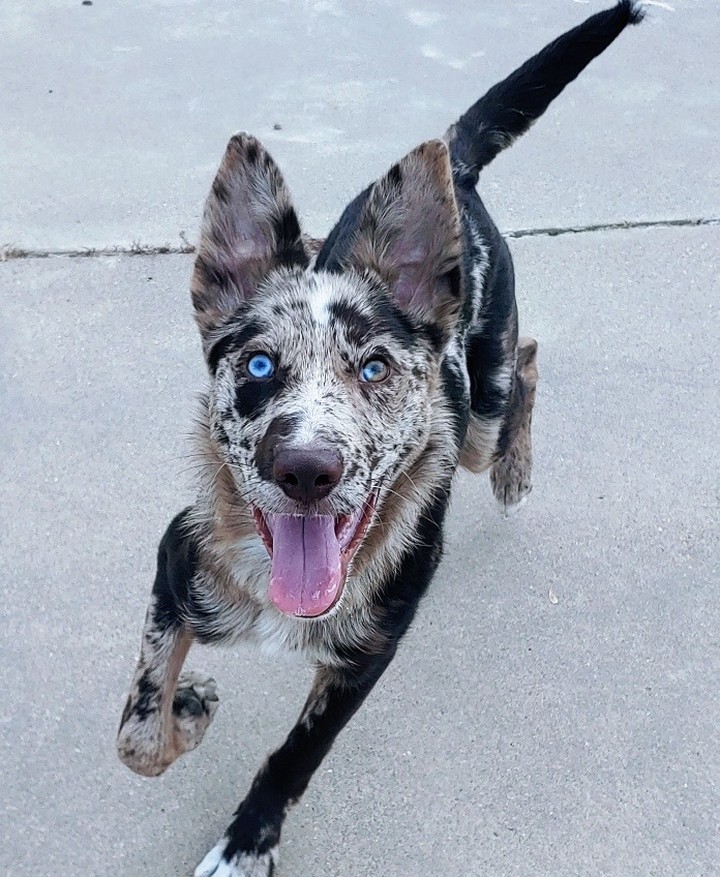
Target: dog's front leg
x,y
167,713
249,848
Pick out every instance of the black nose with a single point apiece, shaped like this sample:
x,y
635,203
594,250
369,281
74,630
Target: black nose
x,y
307,474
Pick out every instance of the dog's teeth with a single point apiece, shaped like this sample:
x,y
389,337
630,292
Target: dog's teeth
x,y
343,527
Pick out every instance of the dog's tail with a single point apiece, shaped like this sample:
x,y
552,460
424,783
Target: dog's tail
x,y
511,106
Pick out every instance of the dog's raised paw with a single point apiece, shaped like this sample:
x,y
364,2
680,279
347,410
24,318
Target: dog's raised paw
x,y
511,481
238,865
194,707
147,746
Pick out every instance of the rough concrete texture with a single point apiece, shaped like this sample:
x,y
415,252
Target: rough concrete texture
x,y
115,115
513,736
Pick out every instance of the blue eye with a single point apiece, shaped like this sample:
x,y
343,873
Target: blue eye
x,y
260,366
374,371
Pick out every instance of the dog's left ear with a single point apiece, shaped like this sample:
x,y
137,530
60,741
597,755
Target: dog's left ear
x,y
249,228
409,233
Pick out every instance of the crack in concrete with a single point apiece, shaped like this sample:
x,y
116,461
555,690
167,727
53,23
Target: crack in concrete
x,y
10,253
623,225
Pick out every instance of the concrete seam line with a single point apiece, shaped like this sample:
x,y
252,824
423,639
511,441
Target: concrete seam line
x,y
10,253
609,226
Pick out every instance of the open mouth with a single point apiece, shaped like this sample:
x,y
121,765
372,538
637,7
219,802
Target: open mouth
x,y
310,556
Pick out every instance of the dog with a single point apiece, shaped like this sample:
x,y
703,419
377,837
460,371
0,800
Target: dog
x,y
349,378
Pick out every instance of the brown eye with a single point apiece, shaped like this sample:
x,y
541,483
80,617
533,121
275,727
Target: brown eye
x,y
374,371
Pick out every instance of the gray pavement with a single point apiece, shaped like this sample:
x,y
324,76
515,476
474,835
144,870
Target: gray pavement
x,y
115,115
513,736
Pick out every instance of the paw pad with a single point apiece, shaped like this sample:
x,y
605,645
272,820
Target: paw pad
x,y
195,696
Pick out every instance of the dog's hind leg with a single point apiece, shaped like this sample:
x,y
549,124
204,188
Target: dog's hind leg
x,y
511,473
167,712
249,848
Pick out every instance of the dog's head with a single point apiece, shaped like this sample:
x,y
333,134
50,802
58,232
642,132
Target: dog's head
x,y
324,380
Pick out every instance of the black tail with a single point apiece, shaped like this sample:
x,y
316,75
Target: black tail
x,y
511,106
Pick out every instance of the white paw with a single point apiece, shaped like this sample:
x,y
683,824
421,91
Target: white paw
x,y
240,865
509,511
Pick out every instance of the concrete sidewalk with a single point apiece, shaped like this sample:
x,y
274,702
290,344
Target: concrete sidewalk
x,y
513,736
115,116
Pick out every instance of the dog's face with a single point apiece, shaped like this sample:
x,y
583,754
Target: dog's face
x,y
323,382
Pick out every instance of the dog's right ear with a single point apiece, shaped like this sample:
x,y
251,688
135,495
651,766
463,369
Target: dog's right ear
x,y
249,228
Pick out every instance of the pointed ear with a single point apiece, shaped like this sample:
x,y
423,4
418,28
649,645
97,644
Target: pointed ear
x,y
409,234
249,227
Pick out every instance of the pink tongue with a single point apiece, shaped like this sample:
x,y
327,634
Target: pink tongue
x,y
306,572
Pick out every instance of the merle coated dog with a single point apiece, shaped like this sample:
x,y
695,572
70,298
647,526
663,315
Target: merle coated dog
x,y
348,380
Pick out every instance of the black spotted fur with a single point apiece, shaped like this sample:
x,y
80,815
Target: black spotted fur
x,y
414,274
